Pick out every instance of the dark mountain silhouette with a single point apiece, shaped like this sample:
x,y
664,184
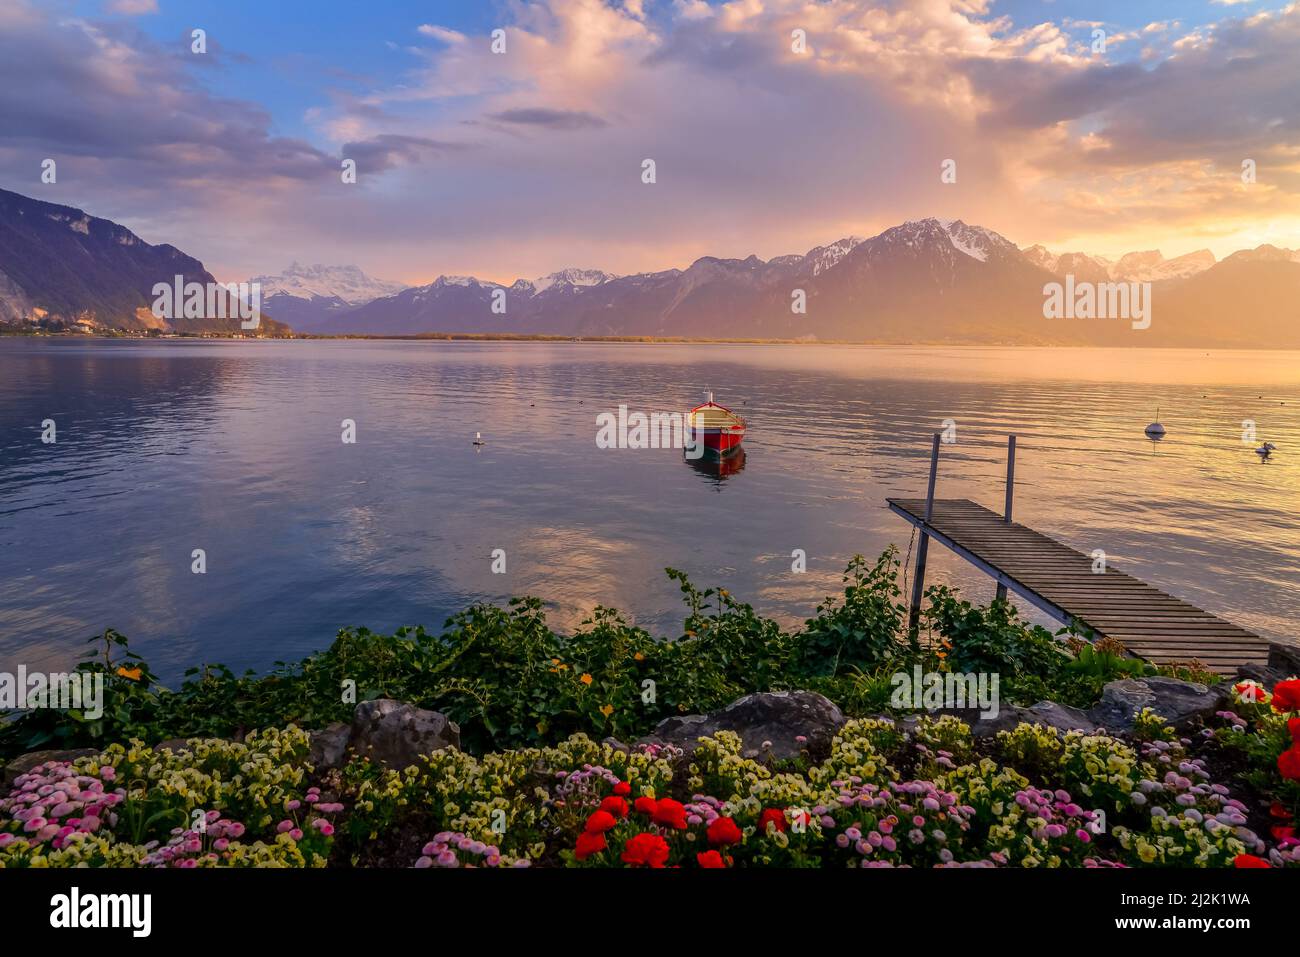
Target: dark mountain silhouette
x,y
59,265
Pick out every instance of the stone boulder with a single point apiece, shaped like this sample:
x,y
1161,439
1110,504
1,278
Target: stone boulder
x,y
1283,663
771,718
25,762
396,735
1049,713
1284,656
329,747
1178,702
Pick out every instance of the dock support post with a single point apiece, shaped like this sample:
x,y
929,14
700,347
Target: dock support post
x,y
923,546
1011,494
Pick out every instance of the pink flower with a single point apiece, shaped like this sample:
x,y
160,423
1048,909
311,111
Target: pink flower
x,y
296,834
283,826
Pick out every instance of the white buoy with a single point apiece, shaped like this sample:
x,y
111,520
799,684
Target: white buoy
x,y
478,438
1155,430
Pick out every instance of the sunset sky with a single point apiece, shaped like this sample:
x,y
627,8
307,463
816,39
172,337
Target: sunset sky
x,y
515,164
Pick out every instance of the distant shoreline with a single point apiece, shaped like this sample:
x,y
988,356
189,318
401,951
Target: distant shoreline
x,y
630,340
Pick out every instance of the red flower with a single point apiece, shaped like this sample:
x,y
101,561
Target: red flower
x,y
1293,725
1288,762
710,859
644,805
1277,810
614,805
1282,832
723,830
670,813
622,789
646,850
1286,696
775,816
589,842
600,822
1249,860
1250,692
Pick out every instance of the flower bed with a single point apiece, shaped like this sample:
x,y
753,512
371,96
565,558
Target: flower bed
x,y
930,797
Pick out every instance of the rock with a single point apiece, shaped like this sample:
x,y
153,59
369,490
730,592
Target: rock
x,y
1283,663
329,747
1049,713
1284,656
25,762
616,744
396,735
1178,702
1262,675
778,717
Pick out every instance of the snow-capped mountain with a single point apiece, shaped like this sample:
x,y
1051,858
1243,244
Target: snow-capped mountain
x,y
347,283
569,277
305,296
1147,266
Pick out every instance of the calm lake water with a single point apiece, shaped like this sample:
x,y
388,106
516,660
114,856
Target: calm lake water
x,y
235,448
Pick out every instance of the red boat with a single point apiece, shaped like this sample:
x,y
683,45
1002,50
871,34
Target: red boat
x,y
721,429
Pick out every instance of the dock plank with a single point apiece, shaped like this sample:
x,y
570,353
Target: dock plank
x,y
1151,623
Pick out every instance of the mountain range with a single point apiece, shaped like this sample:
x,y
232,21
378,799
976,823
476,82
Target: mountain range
x,y
924,281
61,268
307,296
930,280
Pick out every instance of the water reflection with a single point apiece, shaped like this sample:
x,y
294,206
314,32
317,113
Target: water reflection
x,y
716,469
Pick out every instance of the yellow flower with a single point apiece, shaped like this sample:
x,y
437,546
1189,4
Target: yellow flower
x,y
585,679
607,710
133,674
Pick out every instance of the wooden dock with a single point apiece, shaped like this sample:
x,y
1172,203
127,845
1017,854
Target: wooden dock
x,y
1072,587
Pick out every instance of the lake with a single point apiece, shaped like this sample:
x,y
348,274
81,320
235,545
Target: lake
x,y
234,447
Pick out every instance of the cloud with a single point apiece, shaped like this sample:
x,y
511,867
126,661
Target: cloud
x,y
550,119
389,150
132,8
445,34
759,149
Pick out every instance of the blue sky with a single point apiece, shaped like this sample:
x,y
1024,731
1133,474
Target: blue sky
x,y
508,166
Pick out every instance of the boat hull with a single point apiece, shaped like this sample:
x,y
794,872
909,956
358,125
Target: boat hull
x,y
722,441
